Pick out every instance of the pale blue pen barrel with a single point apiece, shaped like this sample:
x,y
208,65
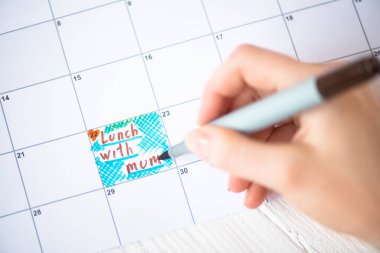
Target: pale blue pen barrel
x,y
273,109
290,102
266,112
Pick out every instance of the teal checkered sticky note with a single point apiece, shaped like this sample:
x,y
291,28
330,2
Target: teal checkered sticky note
x,y
129,149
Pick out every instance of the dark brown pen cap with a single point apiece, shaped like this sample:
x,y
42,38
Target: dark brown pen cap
x,y
347,76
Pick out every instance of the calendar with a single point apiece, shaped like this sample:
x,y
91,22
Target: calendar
x,y
92,92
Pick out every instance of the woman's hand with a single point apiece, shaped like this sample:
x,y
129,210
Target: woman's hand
x,y
326,161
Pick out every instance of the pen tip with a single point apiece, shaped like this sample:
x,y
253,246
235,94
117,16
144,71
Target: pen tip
x,y
164,156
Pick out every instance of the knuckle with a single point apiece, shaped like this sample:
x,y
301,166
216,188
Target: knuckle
x,y
290,175
222,151
240,51
221,156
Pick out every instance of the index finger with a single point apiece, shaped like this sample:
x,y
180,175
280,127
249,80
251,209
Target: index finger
x,y
249,66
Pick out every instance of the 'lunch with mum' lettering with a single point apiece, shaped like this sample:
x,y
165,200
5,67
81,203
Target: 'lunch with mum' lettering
x,y
129,149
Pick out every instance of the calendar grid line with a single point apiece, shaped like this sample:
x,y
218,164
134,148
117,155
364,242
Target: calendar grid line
x,y
66,198
247,24
272,17
6,153
105,64
163,108
287,28
174,44
100,6
33,84
310,7
26,27
59,17
21,177
158,107
109,63
13,213
141,178
69,189
340,58
94,190
49,141
212,31
161,171
144,52
117,184
84,122
97,127
189,163
181,103
361,25
88,9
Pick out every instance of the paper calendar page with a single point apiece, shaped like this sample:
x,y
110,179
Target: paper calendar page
x,y
92,92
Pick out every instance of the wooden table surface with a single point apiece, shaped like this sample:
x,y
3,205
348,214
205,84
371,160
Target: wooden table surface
x,y
274,227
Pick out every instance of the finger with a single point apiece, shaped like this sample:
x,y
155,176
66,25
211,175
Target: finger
x,y
251,66
283,133
236,184
273,165
255,195
246,97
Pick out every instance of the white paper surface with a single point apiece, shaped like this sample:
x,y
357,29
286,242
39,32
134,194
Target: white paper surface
x,y
70,69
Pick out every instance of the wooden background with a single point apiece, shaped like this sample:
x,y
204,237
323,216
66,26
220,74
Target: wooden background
x,y
274,227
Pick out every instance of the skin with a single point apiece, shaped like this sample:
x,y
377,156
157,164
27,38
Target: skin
x,y
325,161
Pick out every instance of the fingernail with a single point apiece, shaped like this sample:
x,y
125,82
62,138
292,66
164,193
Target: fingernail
x,y
198,142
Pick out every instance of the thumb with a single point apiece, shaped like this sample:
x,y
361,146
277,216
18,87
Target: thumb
x,y
277,166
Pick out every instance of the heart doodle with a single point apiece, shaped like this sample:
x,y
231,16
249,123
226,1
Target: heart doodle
x,y
93,134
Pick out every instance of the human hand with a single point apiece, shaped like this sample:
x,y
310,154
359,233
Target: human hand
x,y
326,161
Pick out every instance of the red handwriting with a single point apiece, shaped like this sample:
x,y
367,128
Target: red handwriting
x,y
120,147
122,135
134,166
122,150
